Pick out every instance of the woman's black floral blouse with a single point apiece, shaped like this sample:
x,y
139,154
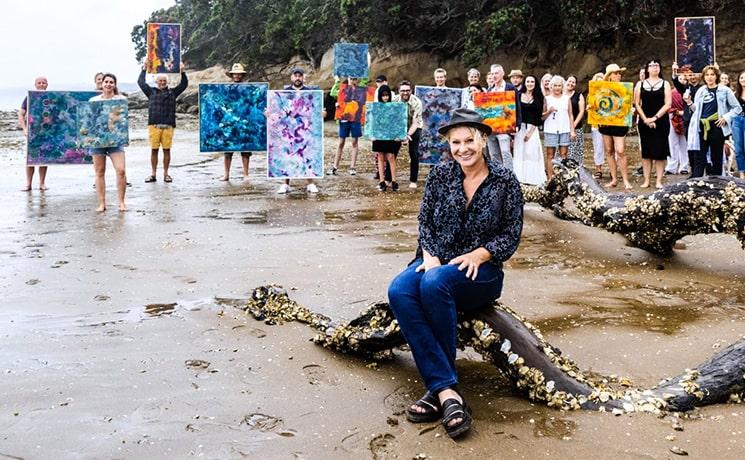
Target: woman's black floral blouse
x,y
493,220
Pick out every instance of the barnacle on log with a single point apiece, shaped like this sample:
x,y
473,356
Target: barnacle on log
x,y
653,222
517,349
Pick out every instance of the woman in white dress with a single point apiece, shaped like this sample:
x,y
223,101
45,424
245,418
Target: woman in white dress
x,y
528,161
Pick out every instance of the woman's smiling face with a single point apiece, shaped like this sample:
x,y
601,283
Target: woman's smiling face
x,y
466,146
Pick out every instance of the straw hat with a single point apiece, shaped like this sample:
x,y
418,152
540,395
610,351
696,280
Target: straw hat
x,y
237,68
612,68
515,73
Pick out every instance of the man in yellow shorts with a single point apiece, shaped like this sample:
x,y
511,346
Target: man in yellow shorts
x,y
161,118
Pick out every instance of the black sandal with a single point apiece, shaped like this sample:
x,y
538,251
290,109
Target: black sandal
x,y
452,409
431,409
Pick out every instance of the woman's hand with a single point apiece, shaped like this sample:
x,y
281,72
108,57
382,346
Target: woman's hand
x,y
721,122
428,263
573,135
471,261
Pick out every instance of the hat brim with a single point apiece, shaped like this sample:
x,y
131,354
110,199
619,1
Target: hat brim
x,y
608,74
230,74
483,127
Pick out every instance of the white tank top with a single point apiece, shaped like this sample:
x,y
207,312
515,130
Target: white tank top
x,y
557,122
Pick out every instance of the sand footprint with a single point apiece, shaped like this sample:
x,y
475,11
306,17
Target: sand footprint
x,y
383,446
316,375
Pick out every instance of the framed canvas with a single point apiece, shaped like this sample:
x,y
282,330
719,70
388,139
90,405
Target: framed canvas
x,y
499,110
163,48
52,120
437,107
295,134
351,60
610,103
104,123
231,117
695,43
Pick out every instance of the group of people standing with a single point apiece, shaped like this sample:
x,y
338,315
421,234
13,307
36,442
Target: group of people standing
x,y
683,126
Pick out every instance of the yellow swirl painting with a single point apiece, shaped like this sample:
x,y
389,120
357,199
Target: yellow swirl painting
x,y
610,103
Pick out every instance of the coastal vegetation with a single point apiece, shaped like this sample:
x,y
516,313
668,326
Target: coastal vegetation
x,y
262,33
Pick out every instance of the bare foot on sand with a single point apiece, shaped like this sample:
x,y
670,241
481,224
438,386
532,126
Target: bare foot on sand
x,y
101,208
26,188
42,187
224,178
122,207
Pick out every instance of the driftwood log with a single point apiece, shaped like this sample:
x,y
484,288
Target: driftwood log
x,y
653,222
518,350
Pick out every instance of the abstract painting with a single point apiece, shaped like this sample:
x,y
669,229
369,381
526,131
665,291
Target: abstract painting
x,y
437,107
695,46
498,110
386,121
610,103
351,103
163,48
104,123
53,127
231,117
350,60
295,134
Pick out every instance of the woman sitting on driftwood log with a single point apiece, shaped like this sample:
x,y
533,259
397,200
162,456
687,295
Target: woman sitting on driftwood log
x,y
470,222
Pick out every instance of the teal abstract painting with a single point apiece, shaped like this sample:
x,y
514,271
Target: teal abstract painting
x,y
104,123
386,121
231,117
295,134
53,128
351,60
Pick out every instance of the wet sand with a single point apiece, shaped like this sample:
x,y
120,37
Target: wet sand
x,y
114,344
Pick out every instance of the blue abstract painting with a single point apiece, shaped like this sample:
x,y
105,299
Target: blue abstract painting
x,y
53,127
104,123
295,134
231,117
437,107
386,121
350,60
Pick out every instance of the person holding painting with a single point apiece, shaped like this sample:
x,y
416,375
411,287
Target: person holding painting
x,y
161,118
237,74
347,129
40,84
614,138
297,77
116,153
500,145
386,150
687,85
713,109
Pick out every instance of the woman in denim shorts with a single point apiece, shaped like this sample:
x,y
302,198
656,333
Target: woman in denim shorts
x,y
558,128
116,154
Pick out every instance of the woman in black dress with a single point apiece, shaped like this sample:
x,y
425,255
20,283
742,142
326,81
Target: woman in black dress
x,y
652,98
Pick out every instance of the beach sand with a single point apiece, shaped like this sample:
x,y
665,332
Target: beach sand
x,y
114,344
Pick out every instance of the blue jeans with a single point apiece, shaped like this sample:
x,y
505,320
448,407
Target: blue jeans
x,y
738,135
426,304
